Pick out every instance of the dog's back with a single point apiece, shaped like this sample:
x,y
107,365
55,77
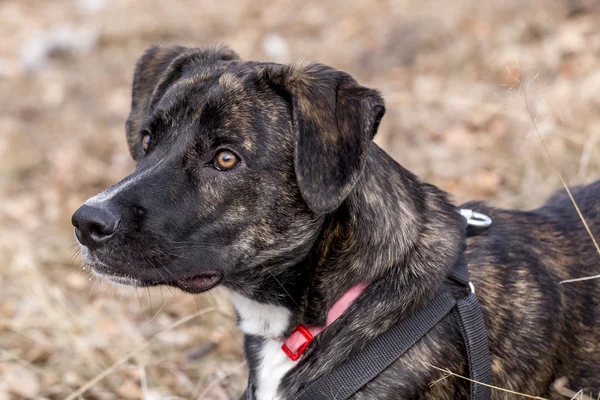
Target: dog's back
x,y
539,329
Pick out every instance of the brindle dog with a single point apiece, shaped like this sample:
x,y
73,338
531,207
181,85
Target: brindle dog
x,y
264,178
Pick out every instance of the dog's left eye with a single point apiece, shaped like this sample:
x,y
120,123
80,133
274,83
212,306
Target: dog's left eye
x,y
146,143
225,160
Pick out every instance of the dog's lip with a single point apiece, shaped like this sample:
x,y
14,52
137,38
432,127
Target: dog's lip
x,y
201,282
194,284
124,281
118,280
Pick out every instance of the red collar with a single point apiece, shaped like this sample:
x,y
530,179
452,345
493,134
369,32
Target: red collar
x,y
302,336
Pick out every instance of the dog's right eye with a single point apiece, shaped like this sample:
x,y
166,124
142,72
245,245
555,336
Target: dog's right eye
x,y
146,142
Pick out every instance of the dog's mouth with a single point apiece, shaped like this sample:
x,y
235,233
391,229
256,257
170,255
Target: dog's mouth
x,y
194,284
201,282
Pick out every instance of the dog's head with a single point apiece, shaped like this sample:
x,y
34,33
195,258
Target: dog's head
x,y
237,165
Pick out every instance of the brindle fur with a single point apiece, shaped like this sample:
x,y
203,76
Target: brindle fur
x,y
316,207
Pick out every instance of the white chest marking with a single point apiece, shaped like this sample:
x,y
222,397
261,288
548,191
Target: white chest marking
x,y
270,322
274,364
266,320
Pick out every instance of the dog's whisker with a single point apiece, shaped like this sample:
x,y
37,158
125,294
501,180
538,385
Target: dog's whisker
x,y
155,315
120,297
102,283
139,299
196,301
164,280
277,280
168,254
150,298
80,262
112,291
96,280
169,242
73,257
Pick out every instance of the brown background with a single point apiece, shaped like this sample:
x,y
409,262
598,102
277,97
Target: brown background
x,y
456,76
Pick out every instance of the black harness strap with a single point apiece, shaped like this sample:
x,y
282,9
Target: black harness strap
x,y
470,320
472,327
379,354
349,377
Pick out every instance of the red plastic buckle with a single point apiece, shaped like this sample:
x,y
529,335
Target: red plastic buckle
x,y
308,338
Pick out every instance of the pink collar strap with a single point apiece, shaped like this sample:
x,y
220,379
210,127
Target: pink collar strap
x,y
302,336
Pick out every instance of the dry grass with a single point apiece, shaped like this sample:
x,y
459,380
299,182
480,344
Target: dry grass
x,y
449,73
447,374
559,386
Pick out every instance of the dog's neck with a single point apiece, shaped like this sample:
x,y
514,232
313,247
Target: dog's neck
x,y
392,228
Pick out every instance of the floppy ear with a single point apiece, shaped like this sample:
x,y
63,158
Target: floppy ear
x,y
155,71
334,120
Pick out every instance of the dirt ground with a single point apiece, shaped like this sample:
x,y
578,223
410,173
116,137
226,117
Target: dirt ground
x,y
459,78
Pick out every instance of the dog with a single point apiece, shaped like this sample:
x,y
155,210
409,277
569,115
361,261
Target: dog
x,y
263,178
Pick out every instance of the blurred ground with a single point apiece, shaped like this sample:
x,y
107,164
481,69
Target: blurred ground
x,y
455,75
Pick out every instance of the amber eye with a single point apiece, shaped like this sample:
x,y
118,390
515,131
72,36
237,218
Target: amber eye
x,y
225,160
146,142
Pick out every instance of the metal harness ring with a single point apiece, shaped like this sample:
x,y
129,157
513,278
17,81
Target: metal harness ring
x,y
476,219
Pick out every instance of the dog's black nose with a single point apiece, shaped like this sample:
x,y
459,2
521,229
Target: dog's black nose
x,y
94,224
